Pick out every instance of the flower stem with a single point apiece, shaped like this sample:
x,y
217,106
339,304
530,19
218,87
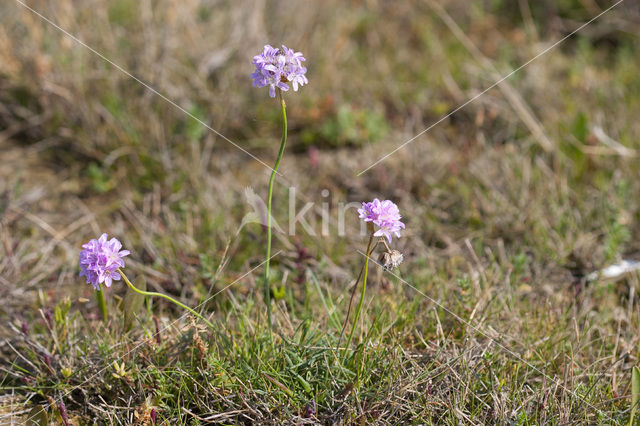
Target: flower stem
x,y
164,296
364,289
267,285
102,304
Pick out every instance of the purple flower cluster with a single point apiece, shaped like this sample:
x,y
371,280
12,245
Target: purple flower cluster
x,y
278,67
100,259
385,215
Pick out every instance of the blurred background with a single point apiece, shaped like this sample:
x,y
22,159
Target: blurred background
x,y
545,161
533,185
543,166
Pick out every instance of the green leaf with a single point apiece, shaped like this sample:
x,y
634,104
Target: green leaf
x,y
580,127
635,392
133,301
37,417
195,130
278,293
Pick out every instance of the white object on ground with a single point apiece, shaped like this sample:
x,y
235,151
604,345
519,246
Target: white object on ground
x,y
615,271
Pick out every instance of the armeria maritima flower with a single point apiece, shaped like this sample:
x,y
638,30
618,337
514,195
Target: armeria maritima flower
x,y
277,68
100,260
385,215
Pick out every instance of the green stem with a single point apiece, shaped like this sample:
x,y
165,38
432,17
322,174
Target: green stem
x,y
164,296
274,171
364,289
102,304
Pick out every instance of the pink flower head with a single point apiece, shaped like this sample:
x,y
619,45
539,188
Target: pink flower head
x,y
277,68
385,215
100,260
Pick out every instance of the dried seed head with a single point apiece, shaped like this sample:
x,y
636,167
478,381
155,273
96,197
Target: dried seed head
x,y
391,259
200,346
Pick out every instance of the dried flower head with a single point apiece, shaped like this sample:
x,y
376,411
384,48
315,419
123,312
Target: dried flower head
x,y
385,215
391,259
100,259
277,68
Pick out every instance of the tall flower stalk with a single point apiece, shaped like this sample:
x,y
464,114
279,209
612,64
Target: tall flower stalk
x,y
102,305
101,262
164,296
364,274
277,68
272,179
